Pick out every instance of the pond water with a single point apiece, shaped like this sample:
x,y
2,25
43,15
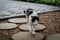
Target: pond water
x,y
9,7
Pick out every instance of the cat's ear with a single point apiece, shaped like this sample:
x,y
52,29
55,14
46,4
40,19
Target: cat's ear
x,y
24,11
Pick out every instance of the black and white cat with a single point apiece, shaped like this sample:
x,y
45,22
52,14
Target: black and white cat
x,y
32,19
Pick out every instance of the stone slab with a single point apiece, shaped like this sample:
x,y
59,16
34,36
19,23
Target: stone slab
x,y
27,36
7,25
54,37
39,27
18,20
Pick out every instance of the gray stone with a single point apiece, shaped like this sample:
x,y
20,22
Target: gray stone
x,y
27,36
54,37
18,20
7,25
39,27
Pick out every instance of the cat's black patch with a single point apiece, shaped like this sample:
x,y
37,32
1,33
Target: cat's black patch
x,y
24,11
28,11
35,18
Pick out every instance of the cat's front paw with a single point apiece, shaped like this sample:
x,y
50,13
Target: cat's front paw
x,y
33,32
30,30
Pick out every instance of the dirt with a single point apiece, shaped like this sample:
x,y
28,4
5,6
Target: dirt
x,y
50,19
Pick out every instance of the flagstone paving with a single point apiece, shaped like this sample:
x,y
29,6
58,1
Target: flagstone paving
x,y
37,28
7,25
27,36
54,37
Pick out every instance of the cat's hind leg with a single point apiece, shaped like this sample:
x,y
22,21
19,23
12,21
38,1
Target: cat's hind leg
x,y
33,29
30,27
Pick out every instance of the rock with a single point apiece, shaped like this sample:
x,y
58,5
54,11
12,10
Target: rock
x,y
18,20
39,27
54,37
7,25
27,36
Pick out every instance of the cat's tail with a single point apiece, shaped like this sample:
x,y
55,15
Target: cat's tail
x,y
24,11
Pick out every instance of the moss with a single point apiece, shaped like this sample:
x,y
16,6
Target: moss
x,y
50,2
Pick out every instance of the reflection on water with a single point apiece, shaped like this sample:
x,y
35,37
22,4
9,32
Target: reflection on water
x,y
8,7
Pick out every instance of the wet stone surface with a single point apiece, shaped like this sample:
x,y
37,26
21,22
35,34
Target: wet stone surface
x,y
18,20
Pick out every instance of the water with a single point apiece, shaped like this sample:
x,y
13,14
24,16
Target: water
x,y
7,6
15,8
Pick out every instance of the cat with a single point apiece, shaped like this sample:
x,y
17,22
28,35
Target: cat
x,y
32,19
